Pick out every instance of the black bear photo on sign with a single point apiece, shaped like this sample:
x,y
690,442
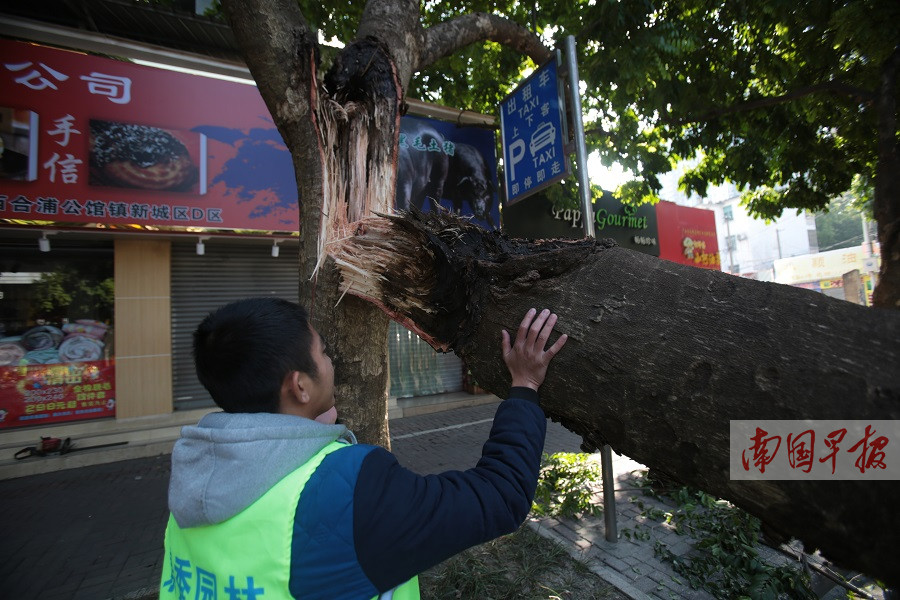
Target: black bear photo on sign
x,y
443,164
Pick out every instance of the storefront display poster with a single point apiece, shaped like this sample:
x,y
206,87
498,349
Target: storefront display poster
x,y
442,165
39,394
93,140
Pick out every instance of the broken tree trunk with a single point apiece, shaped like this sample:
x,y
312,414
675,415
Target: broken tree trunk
x,y
660,358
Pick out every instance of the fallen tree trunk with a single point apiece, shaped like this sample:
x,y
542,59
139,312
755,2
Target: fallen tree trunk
x,y
660,358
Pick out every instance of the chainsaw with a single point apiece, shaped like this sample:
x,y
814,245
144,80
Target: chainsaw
x,y
51,445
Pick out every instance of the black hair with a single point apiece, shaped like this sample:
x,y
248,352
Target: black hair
x,y
244,350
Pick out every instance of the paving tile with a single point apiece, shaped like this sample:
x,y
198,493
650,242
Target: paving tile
x,y
567,532
646,585
682,548
631,561
583,544
94,592
617,564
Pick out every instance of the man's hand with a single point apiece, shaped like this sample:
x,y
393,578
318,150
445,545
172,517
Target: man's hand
x,y
526,359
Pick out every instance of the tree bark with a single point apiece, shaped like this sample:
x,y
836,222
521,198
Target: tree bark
x,y
887,186
342,136
660,358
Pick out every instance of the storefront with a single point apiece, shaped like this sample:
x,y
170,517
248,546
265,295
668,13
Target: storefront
x,y
632,227
57,347
132,202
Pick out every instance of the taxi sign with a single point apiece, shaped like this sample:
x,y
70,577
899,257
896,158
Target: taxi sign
x,y
533,130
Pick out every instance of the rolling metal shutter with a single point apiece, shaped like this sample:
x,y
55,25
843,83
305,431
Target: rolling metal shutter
x,y
200,284
225,273
416,369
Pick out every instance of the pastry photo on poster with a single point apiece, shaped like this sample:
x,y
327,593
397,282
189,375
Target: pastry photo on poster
x,y
18,144
130,155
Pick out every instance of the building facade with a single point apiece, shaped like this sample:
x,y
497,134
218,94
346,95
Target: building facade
x,y
133,201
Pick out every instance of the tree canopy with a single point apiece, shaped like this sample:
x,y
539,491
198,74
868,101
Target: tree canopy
x,y
790,102
840,224
787,101
775,97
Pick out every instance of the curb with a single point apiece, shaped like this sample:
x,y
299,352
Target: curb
x,y
605,573
145,593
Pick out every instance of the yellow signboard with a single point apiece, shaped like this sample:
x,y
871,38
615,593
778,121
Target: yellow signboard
x,y
824,265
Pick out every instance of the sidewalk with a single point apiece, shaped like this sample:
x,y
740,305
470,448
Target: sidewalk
x,y
97,532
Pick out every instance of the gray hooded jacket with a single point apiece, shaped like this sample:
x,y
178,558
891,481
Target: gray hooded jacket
x,y
227,461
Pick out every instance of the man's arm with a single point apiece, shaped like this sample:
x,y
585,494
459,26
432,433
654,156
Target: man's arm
x,y
405,523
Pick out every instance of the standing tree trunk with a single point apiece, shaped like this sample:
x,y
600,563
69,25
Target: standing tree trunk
x,y
660,358
341,143
887,185
342,131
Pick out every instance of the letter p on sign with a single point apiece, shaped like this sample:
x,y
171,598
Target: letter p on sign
x,y
516,153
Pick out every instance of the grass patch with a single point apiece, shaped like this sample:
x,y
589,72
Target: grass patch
x,y
567,486
520,566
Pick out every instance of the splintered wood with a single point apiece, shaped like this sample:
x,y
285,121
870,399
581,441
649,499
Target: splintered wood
x,y
358,179
379,263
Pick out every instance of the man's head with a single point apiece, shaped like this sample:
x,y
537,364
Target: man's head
x,y
262,355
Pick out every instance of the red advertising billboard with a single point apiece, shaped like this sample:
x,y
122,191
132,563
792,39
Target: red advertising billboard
x,y
688,235
93,140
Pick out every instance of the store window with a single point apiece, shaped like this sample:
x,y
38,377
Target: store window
x,y
416,369
56,332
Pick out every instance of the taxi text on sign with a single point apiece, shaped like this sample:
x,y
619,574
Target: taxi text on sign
x,y
531,122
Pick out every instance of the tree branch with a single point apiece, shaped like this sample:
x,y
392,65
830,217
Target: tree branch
x,y
397,25
834,87
446,38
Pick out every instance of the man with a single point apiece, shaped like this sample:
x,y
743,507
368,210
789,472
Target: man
x,y
266,502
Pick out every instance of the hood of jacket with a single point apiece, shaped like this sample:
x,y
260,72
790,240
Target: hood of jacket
x,y
227,461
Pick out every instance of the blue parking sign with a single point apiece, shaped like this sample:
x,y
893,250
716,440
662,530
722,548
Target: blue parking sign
x,y
531,123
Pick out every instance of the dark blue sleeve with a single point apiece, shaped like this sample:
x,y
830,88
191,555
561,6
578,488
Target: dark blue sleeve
x,y
404,523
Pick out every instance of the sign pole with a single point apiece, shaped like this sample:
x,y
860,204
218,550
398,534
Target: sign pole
x,y
606,463
580,147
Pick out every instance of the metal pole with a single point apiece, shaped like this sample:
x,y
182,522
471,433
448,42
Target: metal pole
x,y
587,216
587,211
867,241
609,493
729,245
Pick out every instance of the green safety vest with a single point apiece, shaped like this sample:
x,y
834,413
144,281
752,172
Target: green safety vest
x,y
249,555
